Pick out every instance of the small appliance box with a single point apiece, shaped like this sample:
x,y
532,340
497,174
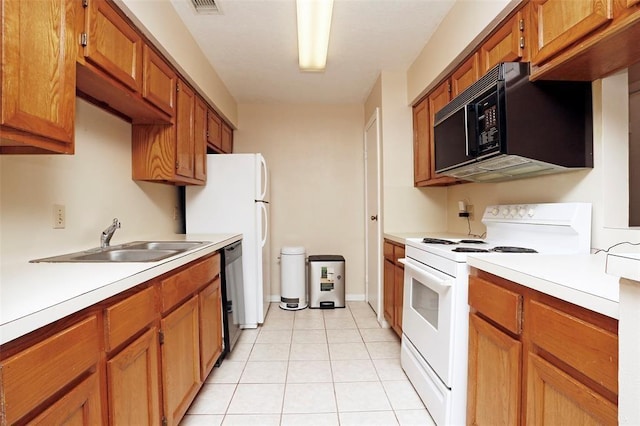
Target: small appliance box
x,y
326,281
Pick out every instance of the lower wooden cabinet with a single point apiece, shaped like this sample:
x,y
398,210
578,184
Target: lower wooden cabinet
x,y
494,375
535,359
138,358
80,406
180,359
132,382
210,300
393,285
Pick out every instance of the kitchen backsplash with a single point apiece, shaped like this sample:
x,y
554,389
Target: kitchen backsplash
x,y
94,185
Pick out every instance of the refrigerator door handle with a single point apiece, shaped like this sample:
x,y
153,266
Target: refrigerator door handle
x,y
265,228
263,178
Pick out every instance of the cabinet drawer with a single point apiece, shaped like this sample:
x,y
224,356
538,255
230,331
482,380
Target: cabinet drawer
x,y
126,318
496,303
37,373
398,254
178,287
582,345
388,251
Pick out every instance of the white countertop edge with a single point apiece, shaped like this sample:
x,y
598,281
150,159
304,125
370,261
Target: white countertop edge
x,y
589,301
624,265
28,323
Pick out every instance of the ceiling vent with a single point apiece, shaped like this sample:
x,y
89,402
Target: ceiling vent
x,y
205,6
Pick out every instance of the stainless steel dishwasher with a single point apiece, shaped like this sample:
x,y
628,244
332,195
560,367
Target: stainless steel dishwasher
x,y
232,295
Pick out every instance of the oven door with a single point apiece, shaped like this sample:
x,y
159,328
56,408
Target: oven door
x,y
427,319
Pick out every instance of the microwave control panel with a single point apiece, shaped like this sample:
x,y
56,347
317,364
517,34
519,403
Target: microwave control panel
x,y
488,133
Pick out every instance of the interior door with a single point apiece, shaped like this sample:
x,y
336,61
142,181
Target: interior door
x,y
373,234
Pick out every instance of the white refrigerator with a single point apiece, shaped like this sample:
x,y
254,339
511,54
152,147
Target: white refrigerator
x,y
236,199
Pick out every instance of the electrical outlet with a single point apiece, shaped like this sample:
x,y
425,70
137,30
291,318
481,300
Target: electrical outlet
x,y
59,220
470,211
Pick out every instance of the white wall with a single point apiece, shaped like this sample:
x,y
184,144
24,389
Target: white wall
x,y
95,186
315,159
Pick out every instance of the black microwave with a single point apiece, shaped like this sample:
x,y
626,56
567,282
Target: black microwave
x,y
515,123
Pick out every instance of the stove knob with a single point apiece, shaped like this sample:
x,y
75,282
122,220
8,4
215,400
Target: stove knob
x,y
495,211
531,212
505,211
513,211
522,211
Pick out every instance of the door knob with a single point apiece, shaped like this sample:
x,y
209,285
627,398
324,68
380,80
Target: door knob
x,y
374,217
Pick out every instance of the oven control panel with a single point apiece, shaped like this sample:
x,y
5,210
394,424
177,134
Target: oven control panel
x,y
543,213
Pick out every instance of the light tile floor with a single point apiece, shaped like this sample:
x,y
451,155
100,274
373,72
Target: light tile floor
x,y
311,367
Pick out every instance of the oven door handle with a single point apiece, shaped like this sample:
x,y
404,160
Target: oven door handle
x,y
430,280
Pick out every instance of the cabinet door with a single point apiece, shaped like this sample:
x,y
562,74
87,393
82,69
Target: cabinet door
x,y
180,360
465,75
132,382
210,327
80,406
421,143
159,82
113,45
555,398
493,394
227,139
214,131
506,45
38,74
389,293
560,23
185,131
200,140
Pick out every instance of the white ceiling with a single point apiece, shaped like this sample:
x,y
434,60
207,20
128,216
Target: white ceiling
x,y
252,45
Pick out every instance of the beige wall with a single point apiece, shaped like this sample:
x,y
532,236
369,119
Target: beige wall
x,y
94,185
315,159
161,24
405,208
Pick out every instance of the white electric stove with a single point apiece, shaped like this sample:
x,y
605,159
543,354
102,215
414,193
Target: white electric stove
x,y
435,312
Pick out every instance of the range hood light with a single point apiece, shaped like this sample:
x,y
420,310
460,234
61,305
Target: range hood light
x,y
314,25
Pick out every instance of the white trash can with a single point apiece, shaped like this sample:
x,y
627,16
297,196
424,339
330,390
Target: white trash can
x,y
293,285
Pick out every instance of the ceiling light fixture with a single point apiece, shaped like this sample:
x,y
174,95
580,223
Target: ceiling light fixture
x,y
314,25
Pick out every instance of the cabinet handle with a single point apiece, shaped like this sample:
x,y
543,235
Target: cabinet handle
x,y
521,42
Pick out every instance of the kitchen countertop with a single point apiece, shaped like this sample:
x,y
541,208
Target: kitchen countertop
x,y
33,295
579,279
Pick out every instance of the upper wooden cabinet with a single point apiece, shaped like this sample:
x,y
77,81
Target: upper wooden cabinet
x,y
507,44
227,138
560,23
437,100
158,81
214,131
167,154
200,140
38,76
421,143
465,75
583,40
113,45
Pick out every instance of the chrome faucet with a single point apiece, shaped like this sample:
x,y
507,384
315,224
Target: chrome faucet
x,y
105,238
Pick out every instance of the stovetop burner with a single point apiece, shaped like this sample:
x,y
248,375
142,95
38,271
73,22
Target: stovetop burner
x,y
508,249
437,241
469,250
441,241
499,249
